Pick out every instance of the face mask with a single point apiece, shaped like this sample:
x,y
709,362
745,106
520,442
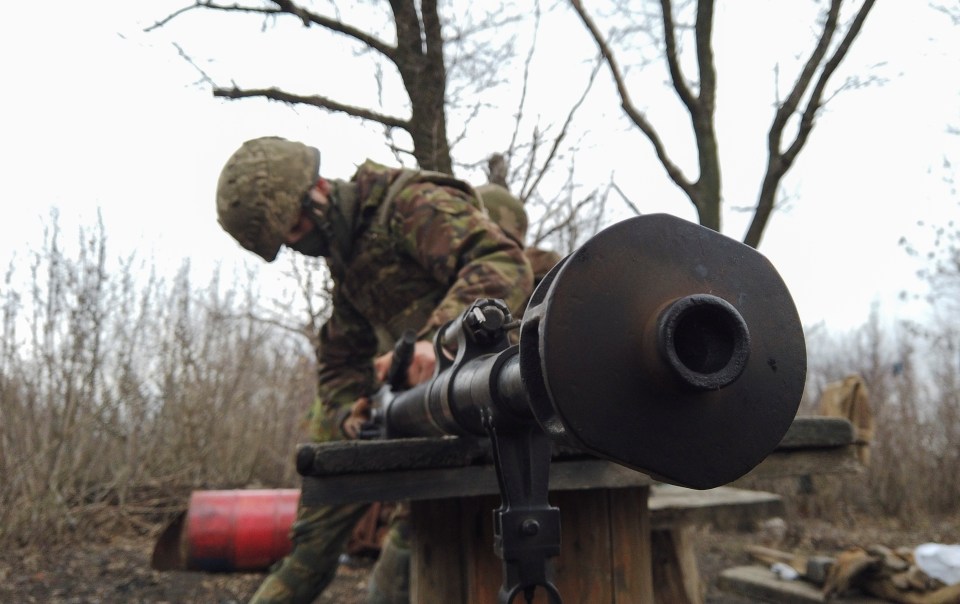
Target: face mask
x,y
312,244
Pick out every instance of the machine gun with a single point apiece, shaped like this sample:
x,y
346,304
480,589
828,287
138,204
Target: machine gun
x,y
659,345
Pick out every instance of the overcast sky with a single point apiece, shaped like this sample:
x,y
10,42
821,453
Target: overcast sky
x,y
98,114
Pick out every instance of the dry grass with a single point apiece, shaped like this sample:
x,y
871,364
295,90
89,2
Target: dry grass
x,y
126,392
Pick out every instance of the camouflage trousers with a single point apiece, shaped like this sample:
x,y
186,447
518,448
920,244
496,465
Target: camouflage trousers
x,y
390,580
318,536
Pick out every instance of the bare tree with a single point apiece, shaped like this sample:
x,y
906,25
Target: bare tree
x,y
567,213
416,49
698,96
940,259
950,10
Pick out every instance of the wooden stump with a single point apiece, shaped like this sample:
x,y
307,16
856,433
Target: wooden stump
x,y
604,552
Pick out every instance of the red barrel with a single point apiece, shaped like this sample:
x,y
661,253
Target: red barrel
x,y
239,529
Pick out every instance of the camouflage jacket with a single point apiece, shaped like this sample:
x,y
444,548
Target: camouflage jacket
x,y
415,257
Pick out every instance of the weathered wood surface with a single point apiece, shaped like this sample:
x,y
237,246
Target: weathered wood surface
x,y
817,433
360,456
805,462
724,508
676,575
355,456
432,468
761,585
469,481
674,514
604,553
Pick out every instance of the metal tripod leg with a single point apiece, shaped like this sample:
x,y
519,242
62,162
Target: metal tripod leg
x,y
526,528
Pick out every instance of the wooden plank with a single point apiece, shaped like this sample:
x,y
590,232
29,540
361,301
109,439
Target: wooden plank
x,y
583,474
760,584
724,508
817,432
806,462
436,568
459,482
424,480
604,551
630,545
564,475
676,577
401,484
583,569
484,571
358,456
377,456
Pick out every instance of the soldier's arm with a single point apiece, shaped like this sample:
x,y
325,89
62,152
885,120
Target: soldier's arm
x,y
345,369
444,232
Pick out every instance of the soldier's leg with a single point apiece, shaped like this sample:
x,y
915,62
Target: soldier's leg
x,y
390,579
318,535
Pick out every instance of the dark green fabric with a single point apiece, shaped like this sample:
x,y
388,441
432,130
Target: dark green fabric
x,y
390,579
319,535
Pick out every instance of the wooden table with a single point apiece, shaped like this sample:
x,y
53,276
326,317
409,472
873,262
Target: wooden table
x,y
607,533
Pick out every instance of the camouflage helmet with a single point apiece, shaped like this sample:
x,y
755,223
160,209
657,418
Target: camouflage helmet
x,y
505,210
261,189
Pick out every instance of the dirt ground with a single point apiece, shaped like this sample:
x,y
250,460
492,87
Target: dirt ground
x,y
118,570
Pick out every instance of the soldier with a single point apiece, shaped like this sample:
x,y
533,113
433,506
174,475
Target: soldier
x,y
508,212
405,249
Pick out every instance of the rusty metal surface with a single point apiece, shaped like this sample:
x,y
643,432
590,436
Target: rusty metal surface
x,y
595,368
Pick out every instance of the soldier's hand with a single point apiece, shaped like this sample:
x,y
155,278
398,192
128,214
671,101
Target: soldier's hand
x,y
421,367
359,415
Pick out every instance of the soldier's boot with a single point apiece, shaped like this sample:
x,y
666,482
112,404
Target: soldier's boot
x,y
318,535
390,579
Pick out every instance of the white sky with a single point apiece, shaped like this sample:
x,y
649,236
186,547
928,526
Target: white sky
x,y
97,114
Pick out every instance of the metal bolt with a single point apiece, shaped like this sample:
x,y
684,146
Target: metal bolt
x,y
529,527
477,316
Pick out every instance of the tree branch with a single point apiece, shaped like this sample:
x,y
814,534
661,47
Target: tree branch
x,y
524,88
673,171
705,63
170,17
526,191
287,7
814,103
275,94
790,104
308,18
778,162
626,200
670,52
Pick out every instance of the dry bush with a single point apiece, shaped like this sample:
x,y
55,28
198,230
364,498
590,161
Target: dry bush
x,y
121,391
915,400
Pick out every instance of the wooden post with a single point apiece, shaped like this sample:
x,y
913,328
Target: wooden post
x,y
605,554
437,558
675,573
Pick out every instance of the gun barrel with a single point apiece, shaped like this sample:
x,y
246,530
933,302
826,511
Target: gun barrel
x,y
704,340
452,405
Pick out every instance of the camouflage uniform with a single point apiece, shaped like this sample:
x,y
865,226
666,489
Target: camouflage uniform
x,y
541,261
508,212
406,249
